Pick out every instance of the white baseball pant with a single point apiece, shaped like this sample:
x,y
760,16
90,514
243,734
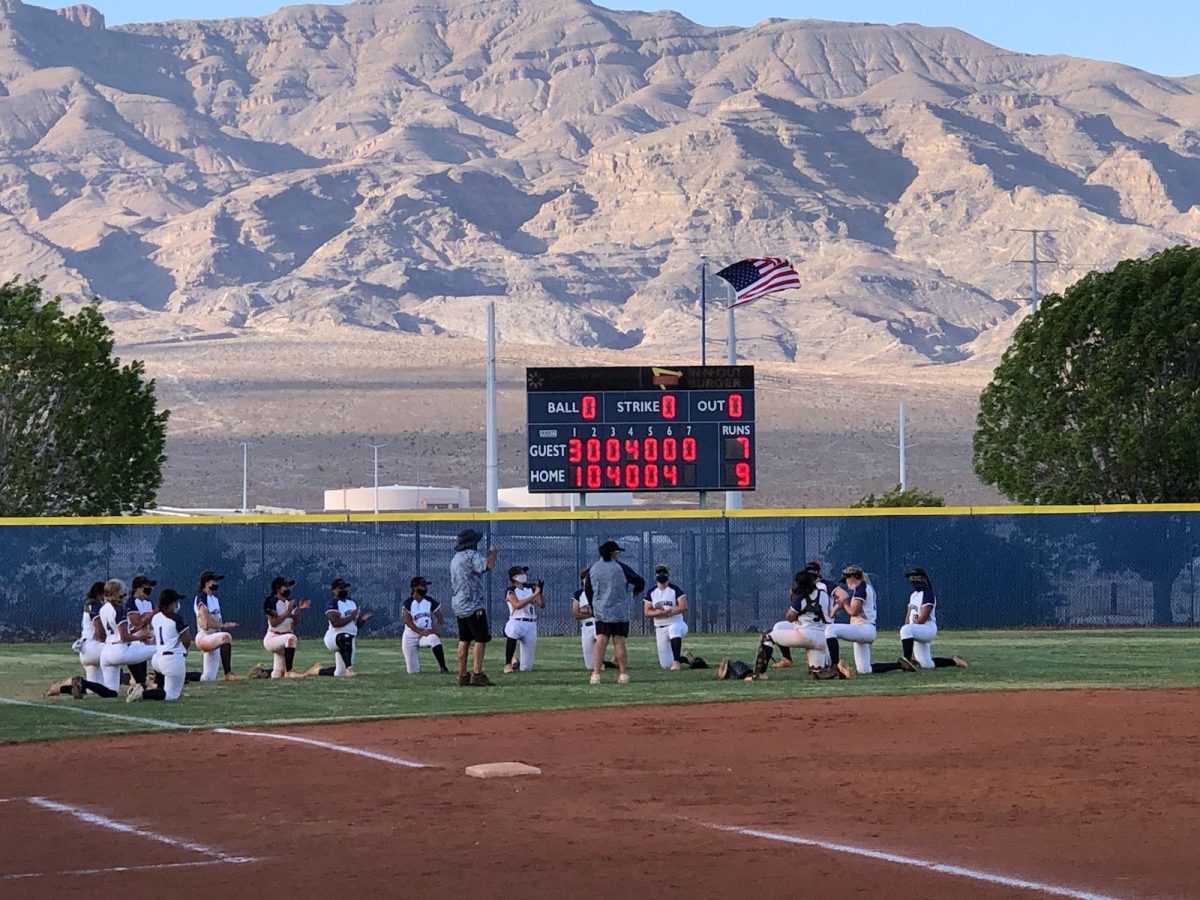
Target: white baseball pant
x,y
275,644
861,636
339,664
210,642
810,637
922,636
89,658
113,656
525,634
677,628
410,643
587,640
173,668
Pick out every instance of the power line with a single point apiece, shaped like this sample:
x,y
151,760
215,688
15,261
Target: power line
x,y
1034,261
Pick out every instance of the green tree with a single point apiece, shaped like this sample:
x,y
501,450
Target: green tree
x,y
1097,401
898,496
80,434
1098,398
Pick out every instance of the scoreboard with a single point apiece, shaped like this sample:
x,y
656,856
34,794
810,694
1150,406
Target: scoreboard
x,y
630,428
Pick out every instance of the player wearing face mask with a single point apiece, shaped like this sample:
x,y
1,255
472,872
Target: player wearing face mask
x,y
524,601
344,616
422,627
282,613
664,604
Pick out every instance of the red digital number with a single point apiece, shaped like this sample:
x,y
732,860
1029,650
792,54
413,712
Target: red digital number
x,y
587,407
578,472
650,477
742,472
735,406
670,449
650,449
575,450
668,406
612,474
593,450
633,478
689,449
612,450
593,477
671,474
631,449
744,443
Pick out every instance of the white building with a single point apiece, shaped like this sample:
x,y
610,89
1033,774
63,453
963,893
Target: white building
x,y
521,498
396,498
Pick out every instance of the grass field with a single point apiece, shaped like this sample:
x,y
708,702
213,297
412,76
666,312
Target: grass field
x,y
1000,661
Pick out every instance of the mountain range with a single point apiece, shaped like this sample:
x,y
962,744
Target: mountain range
x,y
395,164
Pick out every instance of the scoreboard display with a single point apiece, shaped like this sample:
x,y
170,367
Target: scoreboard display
x,y
630,428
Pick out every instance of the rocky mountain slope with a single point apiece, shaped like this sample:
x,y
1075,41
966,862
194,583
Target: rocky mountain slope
x,y
395,164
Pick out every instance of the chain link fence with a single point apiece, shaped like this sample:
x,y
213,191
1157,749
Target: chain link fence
x,y
1001,570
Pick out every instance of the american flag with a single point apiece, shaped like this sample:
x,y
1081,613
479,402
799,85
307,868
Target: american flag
x,y
752,278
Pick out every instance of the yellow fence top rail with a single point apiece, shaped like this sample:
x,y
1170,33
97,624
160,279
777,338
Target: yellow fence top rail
x,y
596,514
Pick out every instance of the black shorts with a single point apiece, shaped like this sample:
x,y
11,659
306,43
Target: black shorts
x,y
474,628
612,629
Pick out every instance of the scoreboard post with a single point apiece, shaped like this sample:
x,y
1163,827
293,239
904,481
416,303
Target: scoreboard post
x,y
640,429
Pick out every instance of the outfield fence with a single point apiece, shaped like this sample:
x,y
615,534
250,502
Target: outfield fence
x,y
994,568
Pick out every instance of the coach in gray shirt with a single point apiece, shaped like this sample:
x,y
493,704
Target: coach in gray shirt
x,y
607,586
470,608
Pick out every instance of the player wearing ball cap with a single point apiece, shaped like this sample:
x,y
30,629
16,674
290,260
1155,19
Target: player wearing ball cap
x,y
524,601
212,632
171,643
344,616
282,612
139,610
920,625
665,604
422,627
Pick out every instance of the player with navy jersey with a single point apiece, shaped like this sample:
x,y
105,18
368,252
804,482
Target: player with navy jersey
x,y
664,604
282,612
520,630
422,627
920,625
856,595
344,616
212,632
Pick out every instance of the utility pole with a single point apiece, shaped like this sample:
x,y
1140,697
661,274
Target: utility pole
x,y
377,448
245,478
493,457
903,448
703,309
1034,261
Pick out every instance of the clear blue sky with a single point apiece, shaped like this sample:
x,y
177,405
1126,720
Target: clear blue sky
x,y
1157,35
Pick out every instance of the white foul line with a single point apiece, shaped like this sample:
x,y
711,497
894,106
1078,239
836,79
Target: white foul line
x,y
157,723
114,870
369,754
124,827
942,868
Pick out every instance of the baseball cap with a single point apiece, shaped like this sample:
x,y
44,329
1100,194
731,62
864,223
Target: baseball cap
x,y
209,575
517,570
610,546
916,572
167,596
813,566
661,570
852,572
418,581
338,583
279,581
142,581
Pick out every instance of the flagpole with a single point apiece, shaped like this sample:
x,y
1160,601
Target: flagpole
x,y
703,311
733,499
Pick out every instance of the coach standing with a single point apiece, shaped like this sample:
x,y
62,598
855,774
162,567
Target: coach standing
x,y
467,600
607,587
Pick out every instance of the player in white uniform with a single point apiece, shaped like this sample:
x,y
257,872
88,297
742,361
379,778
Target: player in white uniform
x,y
171,642
422,627
857,597
831,644
212,635
809,613
121,648
581,609
282,613
521,628
89,646
920,625
344,616
665,604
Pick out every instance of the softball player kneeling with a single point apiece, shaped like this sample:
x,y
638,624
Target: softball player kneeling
x,y
808,616
211,634
857,597
665,604
521,627
121,648
422,627
171,642
344,616
920,625
282,613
